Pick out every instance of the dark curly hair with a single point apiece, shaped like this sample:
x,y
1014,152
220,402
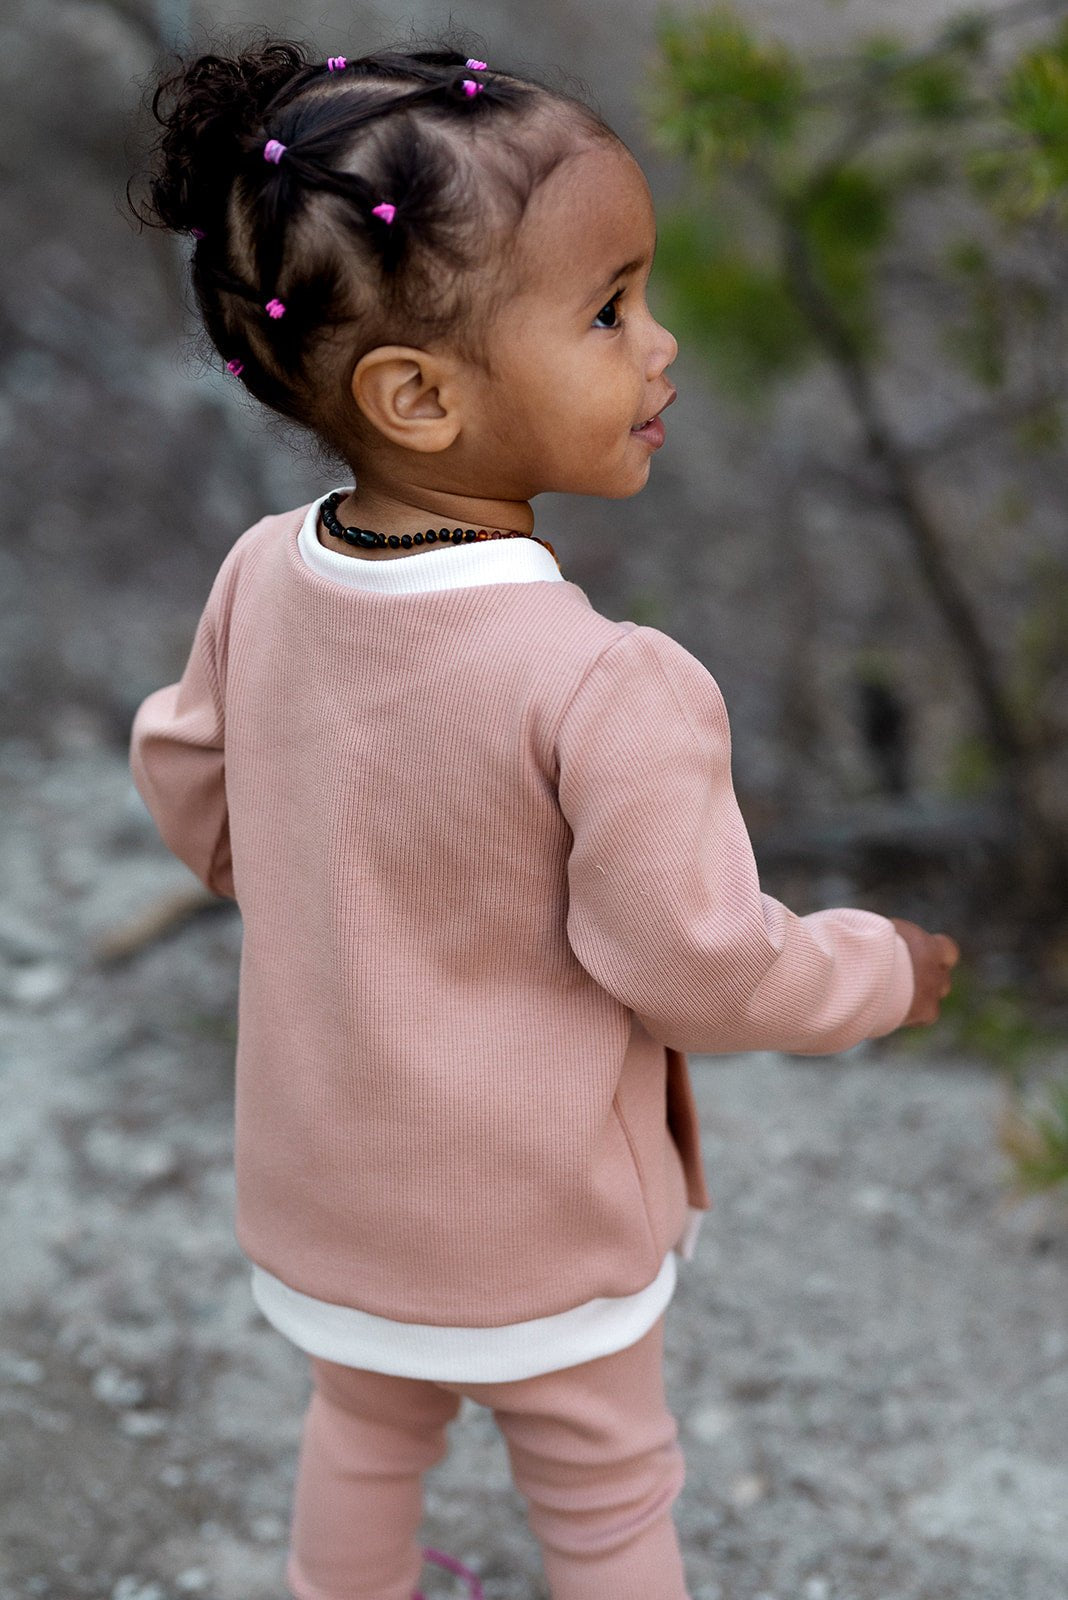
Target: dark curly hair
x,y
399,126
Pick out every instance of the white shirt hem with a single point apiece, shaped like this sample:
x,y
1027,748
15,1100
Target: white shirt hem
x,y
356,1338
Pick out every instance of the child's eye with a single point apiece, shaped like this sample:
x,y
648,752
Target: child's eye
x,y
609,310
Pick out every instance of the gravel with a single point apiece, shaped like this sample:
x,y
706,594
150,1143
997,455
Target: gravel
x,y
868,1355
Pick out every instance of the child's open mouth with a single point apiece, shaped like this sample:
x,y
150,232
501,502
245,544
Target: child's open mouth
x,y
652,429
652,432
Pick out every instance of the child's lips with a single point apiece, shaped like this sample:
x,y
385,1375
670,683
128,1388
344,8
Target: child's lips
x,y
652,430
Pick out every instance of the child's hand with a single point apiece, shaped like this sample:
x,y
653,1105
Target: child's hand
x,y
933,956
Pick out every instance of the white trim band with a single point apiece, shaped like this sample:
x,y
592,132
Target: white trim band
x,y
454,566
462,1355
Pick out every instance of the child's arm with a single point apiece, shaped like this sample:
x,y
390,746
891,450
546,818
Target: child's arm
x,y
176,757
666,910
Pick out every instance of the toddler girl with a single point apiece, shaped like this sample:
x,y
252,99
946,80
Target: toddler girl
x,y
492,874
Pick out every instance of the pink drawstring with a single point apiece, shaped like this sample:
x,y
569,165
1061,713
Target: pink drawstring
x,y
457,1568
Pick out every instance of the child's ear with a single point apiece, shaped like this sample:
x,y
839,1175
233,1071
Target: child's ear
x,y
411,396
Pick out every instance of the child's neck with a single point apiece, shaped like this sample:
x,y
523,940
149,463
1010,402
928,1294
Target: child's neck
x,y
371,507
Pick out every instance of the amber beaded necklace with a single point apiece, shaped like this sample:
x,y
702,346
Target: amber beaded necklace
x,y
369,539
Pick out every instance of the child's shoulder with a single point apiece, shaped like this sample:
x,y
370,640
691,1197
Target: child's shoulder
x,y
269,533
259,542
639,650
641,674
604,656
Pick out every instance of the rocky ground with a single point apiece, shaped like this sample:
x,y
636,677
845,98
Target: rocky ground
x,y
868,1356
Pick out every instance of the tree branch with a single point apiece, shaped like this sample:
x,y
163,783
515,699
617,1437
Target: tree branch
x,y
903,493
977,425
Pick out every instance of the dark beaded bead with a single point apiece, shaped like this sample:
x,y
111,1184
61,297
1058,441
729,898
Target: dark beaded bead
x,y
469,534
457,536
406,540
394,542
366,537
417,538
443,533
431,536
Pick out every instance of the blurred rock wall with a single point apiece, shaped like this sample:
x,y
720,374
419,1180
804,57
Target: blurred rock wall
x,y
129,465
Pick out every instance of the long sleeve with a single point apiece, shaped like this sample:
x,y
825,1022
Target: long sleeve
x,y
176,757
666,910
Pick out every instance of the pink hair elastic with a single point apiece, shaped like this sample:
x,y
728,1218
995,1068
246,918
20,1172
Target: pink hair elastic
x,y
471,88
272,150
275,309
385,211
198,233
476,66
336,64
236,367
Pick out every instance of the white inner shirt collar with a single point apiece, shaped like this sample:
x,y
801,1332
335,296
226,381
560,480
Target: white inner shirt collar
x,y
454,566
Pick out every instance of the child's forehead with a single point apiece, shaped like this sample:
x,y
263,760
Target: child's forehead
x,y
592,216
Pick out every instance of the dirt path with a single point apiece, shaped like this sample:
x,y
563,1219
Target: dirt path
x,y
869,1355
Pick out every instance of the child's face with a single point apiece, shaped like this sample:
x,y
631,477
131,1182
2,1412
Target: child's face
x,y
578,358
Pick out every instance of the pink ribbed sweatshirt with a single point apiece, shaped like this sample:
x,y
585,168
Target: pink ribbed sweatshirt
x,y
494,884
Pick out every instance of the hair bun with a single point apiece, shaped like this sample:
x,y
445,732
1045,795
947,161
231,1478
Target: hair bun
x,y
207,108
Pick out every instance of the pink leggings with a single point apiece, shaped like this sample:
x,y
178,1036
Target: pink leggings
x,y
592,1448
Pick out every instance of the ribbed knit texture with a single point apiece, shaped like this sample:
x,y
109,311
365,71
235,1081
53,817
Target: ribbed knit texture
x,y
594,1453
494,884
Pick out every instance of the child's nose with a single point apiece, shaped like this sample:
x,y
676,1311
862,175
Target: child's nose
x,y
665,349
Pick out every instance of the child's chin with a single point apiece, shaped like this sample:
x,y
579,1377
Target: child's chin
x,y
635,486
625,485
620,486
